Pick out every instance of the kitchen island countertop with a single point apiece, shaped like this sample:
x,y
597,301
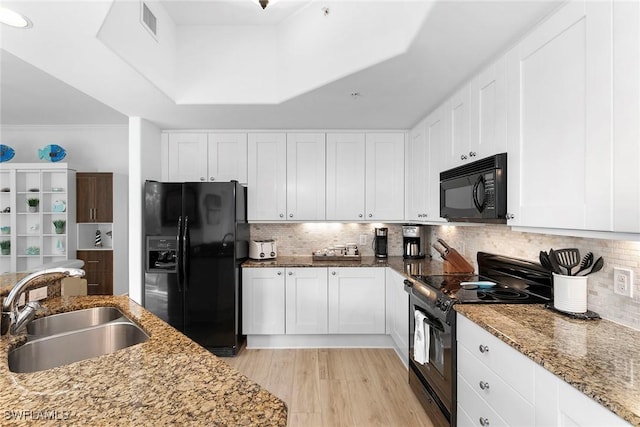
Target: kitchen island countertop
x,y
596,357
168,380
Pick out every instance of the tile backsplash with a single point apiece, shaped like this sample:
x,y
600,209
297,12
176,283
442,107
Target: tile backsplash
x,y
303,238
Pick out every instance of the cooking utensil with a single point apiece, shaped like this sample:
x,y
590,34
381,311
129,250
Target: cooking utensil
x,y
597,266
587,262
554,263
568,258
544,261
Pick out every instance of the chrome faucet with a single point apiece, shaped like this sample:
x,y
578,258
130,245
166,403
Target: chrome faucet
x,y
13,319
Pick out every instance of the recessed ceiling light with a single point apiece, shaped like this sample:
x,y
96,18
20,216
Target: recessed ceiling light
x,y
14,19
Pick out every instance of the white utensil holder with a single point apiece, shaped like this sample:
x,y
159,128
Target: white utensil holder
x,y
570,293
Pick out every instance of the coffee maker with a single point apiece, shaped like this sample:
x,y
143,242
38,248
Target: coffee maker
x,y
411,241
380,242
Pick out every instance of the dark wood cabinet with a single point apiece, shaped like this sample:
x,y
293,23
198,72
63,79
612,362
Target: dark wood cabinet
x,y
98,266
94,195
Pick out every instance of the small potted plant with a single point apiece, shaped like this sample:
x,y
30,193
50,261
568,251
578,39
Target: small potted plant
x,y
33,204
5,247
59,225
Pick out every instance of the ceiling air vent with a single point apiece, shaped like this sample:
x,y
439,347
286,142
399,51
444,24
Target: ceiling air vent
x,y
149,20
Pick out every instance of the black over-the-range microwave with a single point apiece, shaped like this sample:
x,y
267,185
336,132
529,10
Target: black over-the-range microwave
x,y
475,192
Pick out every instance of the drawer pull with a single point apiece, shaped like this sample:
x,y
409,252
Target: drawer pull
x,y
484,422
484,385
483,348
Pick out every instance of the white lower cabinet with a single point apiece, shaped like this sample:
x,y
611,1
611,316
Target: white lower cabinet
x,y
499,386
356,300
263,301
398,314
306,300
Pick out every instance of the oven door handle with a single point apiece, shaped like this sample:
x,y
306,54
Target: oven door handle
x,y
434,325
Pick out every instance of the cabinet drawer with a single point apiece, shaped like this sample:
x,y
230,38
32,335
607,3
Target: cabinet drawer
x,y
514,368
511,406
476,409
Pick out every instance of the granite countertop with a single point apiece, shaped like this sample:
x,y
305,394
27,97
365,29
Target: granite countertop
x,y
169,380
401,265
598,357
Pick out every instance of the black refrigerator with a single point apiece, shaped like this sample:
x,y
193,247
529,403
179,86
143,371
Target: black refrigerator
x,y
196,236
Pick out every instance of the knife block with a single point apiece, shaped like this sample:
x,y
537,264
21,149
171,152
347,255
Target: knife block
x,y
456,264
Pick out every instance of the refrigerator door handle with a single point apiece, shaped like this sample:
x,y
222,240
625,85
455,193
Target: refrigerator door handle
x,y
186,242
180,258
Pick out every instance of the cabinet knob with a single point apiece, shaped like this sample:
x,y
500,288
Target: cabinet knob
x,y
202,178
370,215
333,273
484,385
290,215
509,216
211,178
279,273
290,273
472,153
483,348
281,215
463,157
484,422
360,216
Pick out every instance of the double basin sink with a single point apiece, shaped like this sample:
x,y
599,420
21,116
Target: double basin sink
x,y
65,338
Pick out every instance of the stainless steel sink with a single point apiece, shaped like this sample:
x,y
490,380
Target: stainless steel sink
x,y
73,321
68,347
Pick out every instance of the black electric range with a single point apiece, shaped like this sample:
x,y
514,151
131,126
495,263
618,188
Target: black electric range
x,y
501,279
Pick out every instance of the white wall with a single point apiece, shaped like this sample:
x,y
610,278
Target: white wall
x,y
144,163
89,149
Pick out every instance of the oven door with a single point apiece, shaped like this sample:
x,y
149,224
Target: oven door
x,y
437,374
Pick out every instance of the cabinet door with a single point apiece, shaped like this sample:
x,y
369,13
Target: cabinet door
x,y
398,313
227,157
263,301
626,110
94,201
559,124
457,110
103,197
187,157
98,266
384,176
306,296
86,193
345,176
436,136
305,176
356,300
417,186
488,112
267,177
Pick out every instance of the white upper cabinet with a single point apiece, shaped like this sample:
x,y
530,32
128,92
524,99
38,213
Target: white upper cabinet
x,y
626,111
417,186
305,176
488,112
267,177
559,121
427,142
187,157
457,110
207,157
227,157
384,176
345,176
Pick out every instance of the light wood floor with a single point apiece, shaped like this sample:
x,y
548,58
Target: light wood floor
x,y
336,387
